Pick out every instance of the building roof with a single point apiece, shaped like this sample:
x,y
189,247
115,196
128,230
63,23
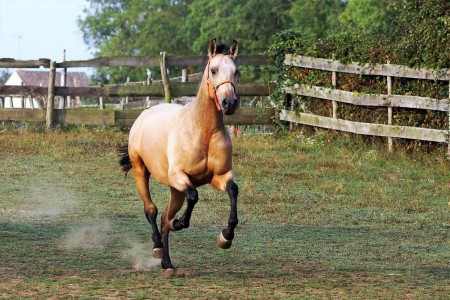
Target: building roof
x,y
40,78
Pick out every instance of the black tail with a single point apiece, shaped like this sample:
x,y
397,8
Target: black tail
x,y
124,160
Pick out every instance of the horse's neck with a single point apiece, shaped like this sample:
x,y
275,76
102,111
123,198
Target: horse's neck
x,y
207,117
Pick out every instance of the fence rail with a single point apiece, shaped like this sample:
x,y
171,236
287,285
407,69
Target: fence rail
x,y
126,117
375,100
365,69
129,61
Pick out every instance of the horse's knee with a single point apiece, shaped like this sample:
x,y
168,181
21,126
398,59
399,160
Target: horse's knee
x,y
191,194
232,189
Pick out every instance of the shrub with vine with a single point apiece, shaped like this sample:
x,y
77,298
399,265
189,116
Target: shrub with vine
x,y
418,36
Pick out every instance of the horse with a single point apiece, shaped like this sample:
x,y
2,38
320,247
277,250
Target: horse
x,y
185,147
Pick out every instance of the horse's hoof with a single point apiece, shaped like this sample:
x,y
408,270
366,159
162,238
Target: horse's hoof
x,y
158,253
169,273
222,242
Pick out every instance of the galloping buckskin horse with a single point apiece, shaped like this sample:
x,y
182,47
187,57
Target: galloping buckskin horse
x,y
185,147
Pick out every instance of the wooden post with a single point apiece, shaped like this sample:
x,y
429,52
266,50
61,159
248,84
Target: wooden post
x,y
149,81
165,77
51,94
389,92
128,82
333,82
2,100
184,77
448,115
62,102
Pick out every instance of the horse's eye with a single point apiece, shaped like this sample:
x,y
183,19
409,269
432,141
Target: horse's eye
x,y
213,71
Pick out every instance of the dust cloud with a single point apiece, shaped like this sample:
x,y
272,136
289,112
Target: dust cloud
x,y
140,256
89,236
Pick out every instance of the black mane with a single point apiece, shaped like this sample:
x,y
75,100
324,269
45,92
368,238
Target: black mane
x,y
222,49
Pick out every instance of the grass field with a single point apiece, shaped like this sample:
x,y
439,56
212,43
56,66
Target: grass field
x,y
319,218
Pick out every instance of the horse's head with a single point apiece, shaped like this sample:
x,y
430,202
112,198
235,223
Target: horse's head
x,y
222,75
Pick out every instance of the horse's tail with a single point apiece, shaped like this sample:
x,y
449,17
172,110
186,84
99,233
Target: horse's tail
x,y
124,158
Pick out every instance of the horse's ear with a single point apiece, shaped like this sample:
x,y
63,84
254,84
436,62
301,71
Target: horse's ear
x,y
212,48
234,49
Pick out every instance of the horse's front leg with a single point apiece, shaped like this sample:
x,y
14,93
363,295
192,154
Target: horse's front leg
x,y
191,194
226,235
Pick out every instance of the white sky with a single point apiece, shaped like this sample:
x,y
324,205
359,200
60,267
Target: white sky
x,y
33,29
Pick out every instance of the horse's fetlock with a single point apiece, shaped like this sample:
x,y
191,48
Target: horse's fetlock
x,y
233,223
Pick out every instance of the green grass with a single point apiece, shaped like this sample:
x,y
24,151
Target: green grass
x,y
319,218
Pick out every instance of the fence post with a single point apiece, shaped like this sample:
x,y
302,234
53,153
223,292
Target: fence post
x,y
448,115
149,81
2,102
389,92
101,104
333,82
128,83
62,101
184,77
165,77
51,94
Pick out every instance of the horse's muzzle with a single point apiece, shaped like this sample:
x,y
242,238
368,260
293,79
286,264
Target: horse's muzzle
x,y
229,106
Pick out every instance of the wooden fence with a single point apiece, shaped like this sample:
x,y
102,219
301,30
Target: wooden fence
x,y
166,89
384,100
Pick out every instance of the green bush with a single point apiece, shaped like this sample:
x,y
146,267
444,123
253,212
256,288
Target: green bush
x,y
417,35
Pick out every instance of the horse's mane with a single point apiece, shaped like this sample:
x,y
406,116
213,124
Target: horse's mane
x,y
222,49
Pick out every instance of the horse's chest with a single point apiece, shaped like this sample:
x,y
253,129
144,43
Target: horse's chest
x,y
202,169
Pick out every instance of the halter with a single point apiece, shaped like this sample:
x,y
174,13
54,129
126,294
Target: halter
x,y
215,87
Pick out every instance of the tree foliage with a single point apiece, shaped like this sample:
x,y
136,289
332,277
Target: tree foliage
x,y
315,19
4,75
414,32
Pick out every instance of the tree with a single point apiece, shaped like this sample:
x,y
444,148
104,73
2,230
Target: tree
x,y
147,27
365,16
251,23
125,27
314,18
4,75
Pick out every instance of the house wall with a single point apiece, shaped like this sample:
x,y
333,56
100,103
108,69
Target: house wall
x,y
14,79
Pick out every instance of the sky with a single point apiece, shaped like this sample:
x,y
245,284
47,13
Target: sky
x,y
33,29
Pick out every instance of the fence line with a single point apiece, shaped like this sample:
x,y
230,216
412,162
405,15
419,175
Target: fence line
x,y
126,117
381,100
166,88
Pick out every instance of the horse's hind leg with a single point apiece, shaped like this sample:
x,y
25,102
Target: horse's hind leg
x,y
142,176
175,203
